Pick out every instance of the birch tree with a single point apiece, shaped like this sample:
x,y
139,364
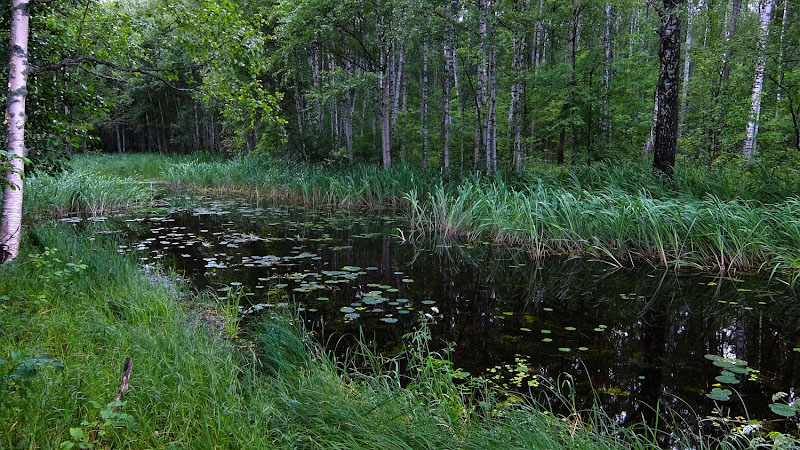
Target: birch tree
x,y
15,155
758,82
666,130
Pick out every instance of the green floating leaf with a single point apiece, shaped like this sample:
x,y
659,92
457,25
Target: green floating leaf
x,y
722,395
727,380
782,409
564,349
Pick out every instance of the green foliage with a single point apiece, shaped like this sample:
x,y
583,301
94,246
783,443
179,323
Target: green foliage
x,y
17,375
91,433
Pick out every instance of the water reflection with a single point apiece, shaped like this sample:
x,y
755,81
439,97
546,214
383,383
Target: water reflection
x,y
637,337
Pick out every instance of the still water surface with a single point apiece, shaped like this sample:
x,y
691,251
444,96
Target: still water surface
x,y
636,337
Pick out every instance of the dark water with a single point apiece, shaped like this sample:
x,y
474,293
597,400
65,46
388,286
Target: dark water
x,y
637,337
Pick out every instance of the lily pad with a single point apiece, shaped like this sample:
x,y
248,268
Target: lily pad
x,y
782,409
722,395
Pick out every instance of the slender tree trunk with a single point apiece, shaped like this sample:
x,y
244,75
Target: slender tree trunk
x,y
196,136
648,146
515,108
384,89
446,119
315,79
779,96
492,122
726,69
119,140
605,121
398,87
758,83
164,139
149,132
666,138
481,100
424,105
538,40
634,30
572,51
403,130
11,219
687,61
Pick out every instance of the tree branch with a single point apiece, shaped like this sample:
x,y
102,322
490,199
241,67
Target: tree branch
x,y
80,60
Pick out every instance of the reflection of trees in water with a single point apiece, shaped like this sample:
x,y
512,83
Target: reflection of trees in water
x,y
660,324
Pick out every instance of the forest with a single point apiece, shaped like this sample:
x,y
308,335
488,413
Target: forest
x,y
400,224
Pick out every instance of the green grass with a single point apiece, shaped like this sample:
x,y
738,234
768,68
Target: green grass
x,y
82,191
84,304
624,215
723,220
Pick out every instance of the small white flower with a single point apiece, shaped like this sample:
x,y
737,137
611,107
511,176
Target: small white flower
x,y
435,310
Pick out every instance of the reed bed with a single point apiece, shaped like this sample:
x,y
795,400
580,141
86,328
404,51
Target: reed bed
x,y
622,215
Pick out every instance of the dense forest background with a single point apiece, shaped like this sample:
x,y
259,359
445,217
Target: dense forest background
x,y
485,84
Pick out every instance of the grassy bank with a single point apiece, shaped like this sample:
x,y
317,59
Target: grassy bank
x,y
82,304
724,220
624,215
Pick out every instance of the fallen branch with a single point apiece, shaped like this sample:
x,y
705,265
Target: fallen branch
x,y
124,388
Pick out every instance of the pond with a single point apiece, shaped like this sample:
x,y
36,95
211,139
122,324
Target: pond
x,y
632,339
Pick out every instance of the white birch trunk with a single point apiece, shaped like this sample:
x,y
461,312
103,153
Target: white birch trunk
x,y
758,83
11,218
687,62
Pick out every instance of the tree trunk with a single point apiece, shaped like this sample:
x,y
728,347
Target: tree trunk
x,y
164,138
196,136
726,69
119,140
404,99
491,149
446,119
758,83
687,61
384,89
515,108
424,105
149,132
313,61
11,219
605,121
779,96
397,88
481,101
572,51
666,136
